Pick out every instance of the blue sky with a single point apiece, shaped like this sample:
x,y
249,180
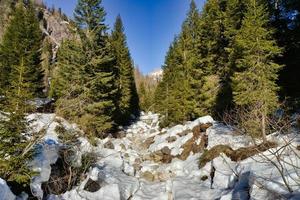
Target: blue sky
x,y
150,25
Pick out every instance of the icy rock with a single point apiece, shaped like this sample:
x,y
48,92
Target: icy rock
x,y
5,192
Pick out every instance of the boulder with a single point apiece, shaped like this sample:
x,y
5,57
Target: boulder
x,y
184,133
148,176
109,145
146,144
166,150
163,155
171,139
92,186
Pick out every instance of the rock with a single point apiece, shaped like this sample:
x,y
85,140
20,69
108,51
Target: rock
x,y
204,127
166,150
197,130
146,144
137,167
147,157
167,158
148,176
152,131
187,149
204,178
163,155
92,186
184,133
162,176
157,156
109,145
121,134
123,146
171,139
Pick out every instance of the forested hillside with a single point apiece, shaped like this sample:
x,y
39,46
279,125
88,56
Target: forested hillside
x,y
233,55
87,71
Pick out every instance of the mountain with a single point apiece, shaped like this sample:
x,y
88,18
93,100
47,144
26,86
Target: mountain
x,y
55,25
156,75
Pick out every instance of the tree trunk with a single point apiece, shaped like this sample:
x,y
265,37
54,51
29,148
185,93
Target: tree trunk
x,y
263,126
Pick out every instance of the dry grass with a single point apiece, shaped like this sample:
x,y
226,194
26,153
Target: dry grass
x,y
234,155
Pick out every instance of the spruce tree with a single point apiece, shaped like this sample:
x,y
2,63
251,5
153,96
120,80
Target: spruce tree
x,y
100,68
127,99
254,84
68,74
189,66
13,127
178,93
22,39
68,83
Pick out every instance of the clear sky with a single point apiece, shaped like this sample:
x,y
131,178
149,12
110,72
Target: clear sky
x,y
150,25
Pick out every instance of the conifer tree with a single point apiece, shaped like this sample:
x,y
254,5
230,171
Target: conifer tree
x,y
179,90
68,84
100,68
22,39
127,99
69,69
13,127
190,71
254,84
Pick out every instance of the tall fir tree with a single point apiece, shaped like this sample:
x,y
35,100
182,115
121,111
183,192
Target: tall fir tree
x,y
254,84
100,68
14,159
191,72
22,39
178,93
68,83
127,99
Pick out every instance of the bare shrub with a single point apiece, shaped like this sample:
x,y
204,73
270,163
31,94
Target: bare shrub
x,y
65,174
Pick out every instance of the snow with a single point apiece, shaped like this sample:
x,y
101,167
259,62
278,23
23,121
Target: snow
x,y
121,171
5,192
107,192
224,135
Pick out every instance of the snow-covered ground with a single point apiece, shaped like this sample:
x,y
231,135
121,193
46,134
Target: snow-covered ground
x,y
154,164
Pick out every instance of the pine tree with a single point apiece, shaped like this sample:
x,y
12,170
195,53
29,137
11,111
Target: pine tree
x,y
127,100
22,39
254,84
100,68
